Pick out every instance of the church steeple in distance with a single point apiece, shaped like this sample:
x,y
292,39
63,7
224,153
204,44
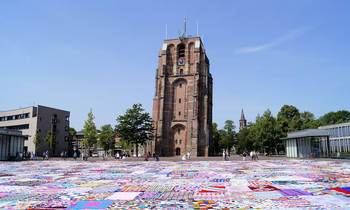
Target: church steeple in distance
x,y
242,122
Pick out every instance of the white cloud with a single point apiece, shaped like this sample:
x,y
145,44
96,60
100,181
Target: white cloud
x,y
290,36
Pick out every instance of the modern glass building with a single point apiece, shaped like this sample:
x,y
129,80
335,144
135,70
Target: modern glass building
x,y
310,143
11,144
339,137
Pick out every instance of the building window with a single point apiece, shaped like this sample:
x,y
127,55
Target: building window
x,y
182,51
178,130
179,100
180,141
176,141
181,71
67,118
179,113
180,85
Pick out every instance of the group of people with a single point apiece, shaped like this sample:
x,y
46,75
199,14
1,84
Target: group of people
x,y
253,155
225,155
117,156
46,155
25,156
155,156
187,155
64,154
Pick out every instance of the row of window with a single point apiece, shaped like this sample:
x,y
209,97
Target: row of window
x,y
15,117
17,127
180,141
339,131
342,145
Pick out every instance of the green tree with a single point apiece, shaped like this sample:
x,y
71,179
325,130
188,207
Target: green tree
x,y
135,126
216,138
106,138
124,144
37,140
288,119
72,132
266,134
245,142
90,132
228,136
330,118
50,140
308,120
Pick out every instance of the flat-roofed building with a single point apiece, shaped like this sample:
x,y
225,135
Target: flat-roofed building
x,y
339,137
11,144
44,120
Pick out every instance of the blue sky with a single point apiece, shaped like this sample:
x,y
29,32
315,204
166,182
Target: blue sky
x,y
77,55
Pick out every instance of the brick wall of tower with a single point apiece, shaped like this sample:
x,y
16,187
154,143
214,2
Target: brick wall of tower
x,y
182,105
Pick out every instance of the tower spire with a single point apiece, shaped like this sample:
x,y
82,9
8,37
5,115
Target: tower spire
x,y
242,122
242,115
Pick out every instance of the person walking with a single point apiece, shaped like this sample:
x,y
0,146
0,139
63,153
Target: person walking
x,y
223,154
188,155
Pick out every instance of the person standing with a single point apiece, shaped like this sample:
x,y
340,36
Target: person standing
x,y
223,154
226,156
244,156
146,157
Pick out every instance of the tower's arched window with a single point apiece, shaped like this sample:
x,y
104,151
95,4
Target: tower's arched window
x,y
181,51
181,71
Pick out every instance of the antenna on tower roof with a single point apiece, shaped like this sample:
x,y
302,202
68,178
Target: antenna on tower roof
x,y
185,25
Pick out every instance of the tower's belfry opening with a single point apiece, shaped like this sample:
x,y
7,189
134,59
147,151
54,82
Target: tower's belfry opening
x,y
182,104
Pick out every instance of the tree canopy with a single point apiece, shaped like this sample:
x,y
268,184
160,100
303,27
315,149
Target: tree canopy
x,y
135,126
341,116
37,139
106,137
90,131
228,135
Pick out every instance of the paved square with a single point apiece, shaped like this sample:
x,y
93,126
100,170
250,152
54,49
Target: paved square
x,y
175,185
